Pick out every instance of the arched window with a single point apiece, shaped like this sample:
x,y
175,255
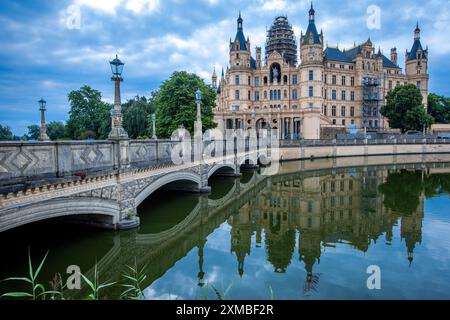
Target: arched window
x,y
285,94
265,95
271,95
285,79
279,94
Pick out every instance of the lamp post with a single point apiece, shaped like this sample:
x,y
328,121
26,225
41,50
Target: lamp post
x,y
43,134
198,123
117,131
154,126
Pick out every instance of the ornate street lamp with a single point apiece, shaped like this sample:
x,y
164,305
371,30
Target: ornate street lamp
x,y
198,124
117,131
43,134
154,126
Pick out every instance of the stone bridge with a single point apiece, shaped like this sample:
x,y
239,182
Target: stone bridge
x,y
103,182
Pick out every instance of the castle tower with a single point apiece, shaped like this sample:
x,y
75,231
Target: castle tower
x,y
258,58
394,56
239,75
214,79
416,68
311,75
240,47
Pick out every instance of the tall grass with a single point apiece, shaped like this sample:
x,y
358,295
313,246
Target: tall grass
x,y
134,282
37,290
95,286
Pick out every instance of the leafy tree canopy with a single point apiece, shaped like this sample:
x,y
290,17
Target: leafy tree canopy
x,y
6,133
135,116
34,132
176,106
439,108
404,109
89,116
55,130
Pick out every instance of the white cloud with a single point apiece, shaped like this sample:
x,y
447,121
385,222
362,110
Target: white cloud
x,y
271,5
140,6
107,6
137,7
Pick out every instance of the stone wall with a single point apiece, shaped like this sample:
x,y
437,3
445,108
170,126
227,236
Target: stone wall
x,y
27,161
297,150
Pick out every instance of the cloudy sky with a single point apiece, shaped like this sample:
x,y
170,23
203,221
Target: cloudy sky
x,y
48,50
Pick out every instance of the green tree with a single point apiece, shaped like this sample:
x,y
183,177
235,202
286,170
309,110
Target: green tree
x,y
34,131
176,106
6,133
135,116
402,191
55,130
89,116
439,108
404,109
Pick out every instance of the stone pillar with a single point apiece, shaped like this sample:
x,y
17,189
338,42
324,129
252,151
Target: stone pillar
x,y
279,126
43,134
117,131
127,206
292,128
154,127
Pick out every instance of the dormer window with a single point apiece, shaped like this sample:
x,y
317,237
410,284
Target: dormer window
x,y
311,38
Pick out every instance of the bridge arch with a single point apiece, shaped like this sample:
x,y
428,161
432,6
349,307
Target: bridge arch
x,y
250,159
221,166
101,212
165,180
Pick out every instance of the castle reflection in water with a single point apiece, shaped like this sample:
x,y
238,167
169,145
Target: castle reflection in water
x,y
294,215
355,208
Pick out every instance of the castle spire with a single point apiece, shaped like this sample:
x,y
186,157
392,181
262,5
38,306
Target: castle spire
x,y
214,78
312,13
417,32
240,22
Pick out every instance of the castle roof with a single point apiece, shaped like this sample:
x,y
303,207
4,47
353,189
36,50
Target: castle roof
x,y
240,34
416,47
334,54
311,29
412,55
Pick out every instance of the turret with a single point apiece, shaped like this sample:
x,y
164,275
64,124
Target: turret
x,y
214,79
240,47
416,62
311,75
258,57
394,57
311,44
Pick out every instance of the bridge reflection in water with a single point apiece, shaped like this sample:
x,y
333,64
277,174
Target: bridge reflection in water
x,y
297,216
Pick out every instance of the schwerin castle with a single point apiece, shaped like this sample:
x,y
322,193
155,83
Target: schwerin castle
x,y
329,90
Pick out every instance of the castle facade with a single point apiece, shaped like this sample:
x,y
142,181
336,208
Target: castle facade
x,y
326,89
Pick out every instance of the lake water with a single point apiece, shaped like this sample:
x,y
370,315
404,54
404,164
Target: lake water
x,y
297,235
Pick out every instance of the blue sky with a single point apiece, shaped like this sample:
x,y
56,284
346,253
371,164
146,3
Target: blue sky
x,y
43,57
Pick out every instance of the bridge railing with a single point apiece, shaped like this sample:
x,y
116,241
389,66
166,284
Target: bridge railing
x,y
24,162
